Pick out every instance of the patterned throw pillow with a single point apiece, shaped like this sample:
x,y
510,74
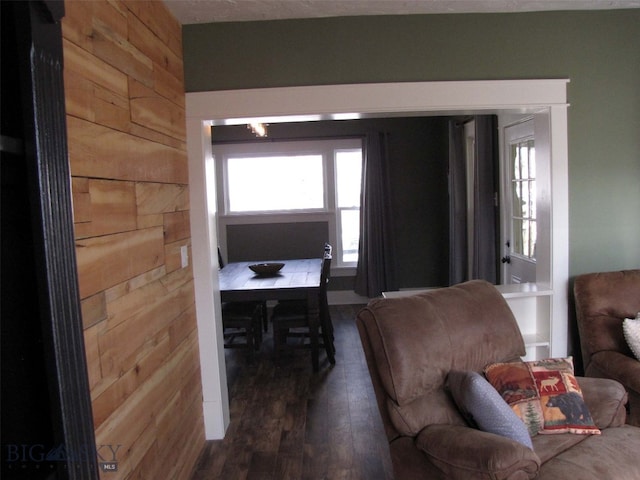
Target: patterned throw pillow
x,y
631,330
544,394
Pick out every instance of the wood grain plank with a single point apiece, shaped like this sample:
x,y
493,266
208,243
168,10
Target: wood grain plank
x,y
169,86
114,48
122,345
77,24
160,21
79,96
173,430
110,109
182,327
289,467
84,99
81,200
133,449
82,230
143,132
81,62
147,467
190,455
134,301
176,226
146,40
262,466
113,13
106,261
113,206
148,221
131,284
94,309
93,355
100,152
154,198
117,388
155,112
140,409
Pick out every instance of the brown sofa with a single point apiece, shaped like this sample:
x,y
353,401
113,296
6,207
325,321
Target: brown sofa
x,y
412,343
603,301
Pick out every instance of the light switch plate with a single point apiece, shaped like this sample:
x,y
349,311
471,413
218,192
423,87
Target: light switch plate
x,y
184,256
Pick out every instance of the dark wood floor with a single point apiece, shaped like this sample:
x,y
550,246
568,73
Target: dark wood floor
x,y
288,423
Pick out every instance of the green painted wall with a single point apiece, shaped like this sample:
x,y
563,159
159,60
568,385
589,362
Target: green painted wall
x,y
599,51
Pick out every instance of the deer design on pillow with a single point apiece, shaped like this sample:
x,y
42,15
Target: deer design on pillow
x,y
549,383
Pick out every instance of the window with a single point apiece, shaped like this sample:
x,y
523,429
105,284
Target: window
x,y
297,181
255,183
348,180
523,194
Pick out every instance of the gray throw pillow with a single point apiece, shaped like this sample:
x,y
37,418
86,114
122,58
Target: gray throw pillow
x,y
482,406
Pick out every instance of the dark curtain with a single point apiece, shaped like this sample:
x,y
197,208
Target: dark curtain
x,y
486,216
376,252
485,188
457,204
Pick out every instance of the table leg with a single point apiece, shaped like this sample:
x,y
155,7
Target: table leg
x,y
313,311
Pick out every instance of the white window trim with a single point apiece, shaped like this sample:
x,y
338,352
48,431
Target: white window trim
x,y
329,212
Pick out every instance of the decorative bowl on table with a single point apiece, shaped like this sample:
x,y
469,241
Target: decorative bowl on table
x,y
266,268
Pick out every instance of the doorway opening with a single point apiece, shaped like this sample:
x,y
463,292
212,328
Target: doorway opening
x,y
545,99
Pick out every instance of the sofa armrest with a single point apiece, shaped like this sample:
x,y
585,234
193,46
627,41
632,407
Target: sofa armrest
x,y
616,365
411,463
465,453
605,399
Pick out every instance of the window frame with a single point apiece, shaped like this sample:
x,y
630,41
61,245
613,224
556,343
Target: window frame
x,y
529,219
226,206
329,212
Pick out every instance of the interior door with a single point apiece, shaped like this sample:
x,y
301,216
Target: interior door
x,y
520,202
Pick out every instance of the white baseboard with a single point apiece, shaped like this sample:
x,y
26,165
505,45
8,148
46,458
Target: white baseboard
x,y
345,297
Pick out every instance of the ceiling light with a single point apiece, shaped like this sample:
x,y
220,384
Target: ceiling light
x,y
258,129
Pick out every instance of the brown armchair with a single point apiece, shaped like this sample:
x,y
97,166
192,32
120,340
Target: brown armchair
x,y
603,301
412,343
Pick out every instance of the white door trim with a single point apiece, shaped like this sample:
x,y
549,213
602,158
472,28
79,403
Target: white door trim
x,y
204,109
524,268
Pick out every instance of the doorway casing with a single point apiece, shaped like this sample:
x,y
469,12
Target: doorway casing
x,y
546,98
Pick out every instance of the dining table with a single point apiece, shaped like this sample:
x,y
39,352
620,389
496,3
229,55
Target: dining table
x,y
298,279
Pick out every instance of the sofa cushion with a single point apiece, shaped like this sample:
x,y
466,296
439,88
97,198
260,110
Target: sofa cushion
x,y
610,456
606,400
548,446
631,330
544,394
484,408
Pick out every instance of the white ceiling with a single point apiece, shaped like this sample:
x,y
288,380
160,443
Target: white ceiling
x,y
208,11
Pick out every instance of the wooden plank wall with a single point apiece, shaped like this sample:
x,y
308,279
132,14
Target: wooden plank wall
x,y
127,148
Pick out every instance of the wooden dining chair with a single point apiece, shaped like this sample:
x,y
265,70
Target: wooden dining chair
x,y
242,321
290,320
244,309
